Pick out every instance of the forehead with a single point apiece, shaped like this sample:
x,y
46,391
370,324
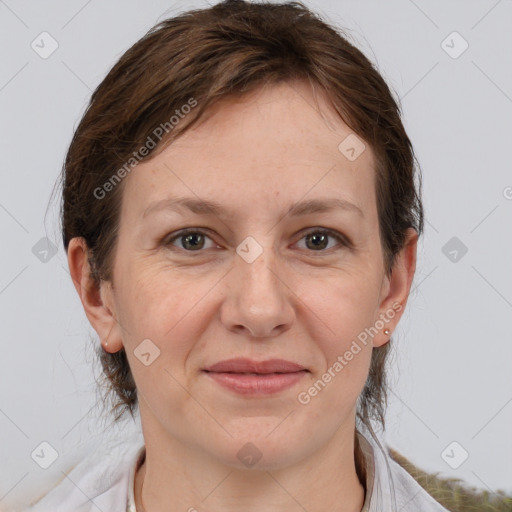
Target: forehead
x,y
283,141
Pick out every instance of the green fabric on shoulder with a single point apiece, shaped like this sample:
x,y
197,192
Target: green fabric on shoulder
x,y
453,493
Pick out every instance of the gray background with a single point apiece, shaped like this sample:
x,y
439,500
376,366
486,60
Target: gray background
x,y
451,372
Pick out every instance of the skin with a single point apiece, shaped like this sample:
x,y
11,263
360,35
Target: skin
x,y
255,156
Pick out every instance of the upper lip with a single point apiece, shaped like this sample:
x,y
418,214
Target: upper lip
x,y
243,365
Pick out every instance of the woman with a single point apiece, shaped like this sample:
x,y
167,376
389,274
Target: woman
x,y
241,221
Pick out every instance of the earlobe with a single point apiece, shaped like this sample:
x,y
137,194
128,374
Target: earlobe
x,y
397,289
96,297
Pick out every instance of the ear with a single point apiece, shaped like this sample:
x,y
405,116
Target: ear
x,y
395,289
97,299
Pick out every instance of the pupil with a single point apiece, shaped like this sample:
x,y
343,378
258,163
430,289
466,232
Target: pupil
x,y
321,238
192,240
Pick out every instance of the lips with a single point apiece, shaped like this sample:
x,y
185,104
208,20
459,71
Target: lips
x,y
248,366
256,378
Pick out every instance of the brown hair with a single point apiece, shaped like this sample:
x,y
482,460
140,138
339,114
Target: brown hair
x,y
215,53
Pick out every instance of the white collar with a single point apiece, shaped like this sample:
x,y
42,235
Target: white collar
x,y
138,459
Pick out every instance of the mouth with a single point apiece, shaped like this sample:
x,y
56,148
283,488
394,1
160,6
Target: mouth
x,y
248,377
243,365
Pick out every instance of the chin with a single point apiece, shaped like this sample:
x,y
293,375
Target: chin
x,y
262,451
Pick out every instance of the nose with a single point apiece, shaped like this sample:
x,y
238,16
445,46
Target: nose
x,y
258,300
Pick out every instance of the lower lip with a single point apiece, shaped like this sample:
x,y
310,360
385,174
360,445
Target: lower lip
x,y
263,384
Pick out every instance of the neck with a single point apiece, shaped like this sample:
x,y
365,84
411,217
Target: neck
x,y
331,478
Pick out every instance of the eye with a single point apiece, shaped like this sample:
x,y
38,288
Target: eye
x,y
318,239
191,240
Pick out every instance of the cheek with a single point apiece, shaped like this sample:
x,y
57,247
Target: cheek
x,y
156,298
171,313
343,303
338,316
170,309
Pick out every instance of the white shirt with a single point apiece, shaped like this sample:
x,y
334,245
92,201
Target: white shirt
x,y
104,481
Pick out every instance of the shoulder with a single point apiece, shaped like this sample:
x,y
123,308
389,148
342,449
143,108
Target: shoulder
x,y
453,493
98,482
409,494
389,486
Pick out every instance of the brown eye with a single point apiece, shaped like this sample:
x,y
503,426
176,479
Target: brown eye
x,y
189,240
319,239
193,241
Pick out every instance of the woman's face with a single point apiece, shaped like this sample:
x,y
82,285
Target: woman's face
x,y
262,276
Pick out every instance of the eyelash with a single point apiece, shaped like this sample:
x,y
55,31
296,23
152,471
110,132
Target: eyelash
x,y
343,241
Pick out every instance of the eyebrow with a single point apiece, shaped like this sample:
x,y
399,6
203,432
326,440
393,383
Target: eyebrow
x,y
204,207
